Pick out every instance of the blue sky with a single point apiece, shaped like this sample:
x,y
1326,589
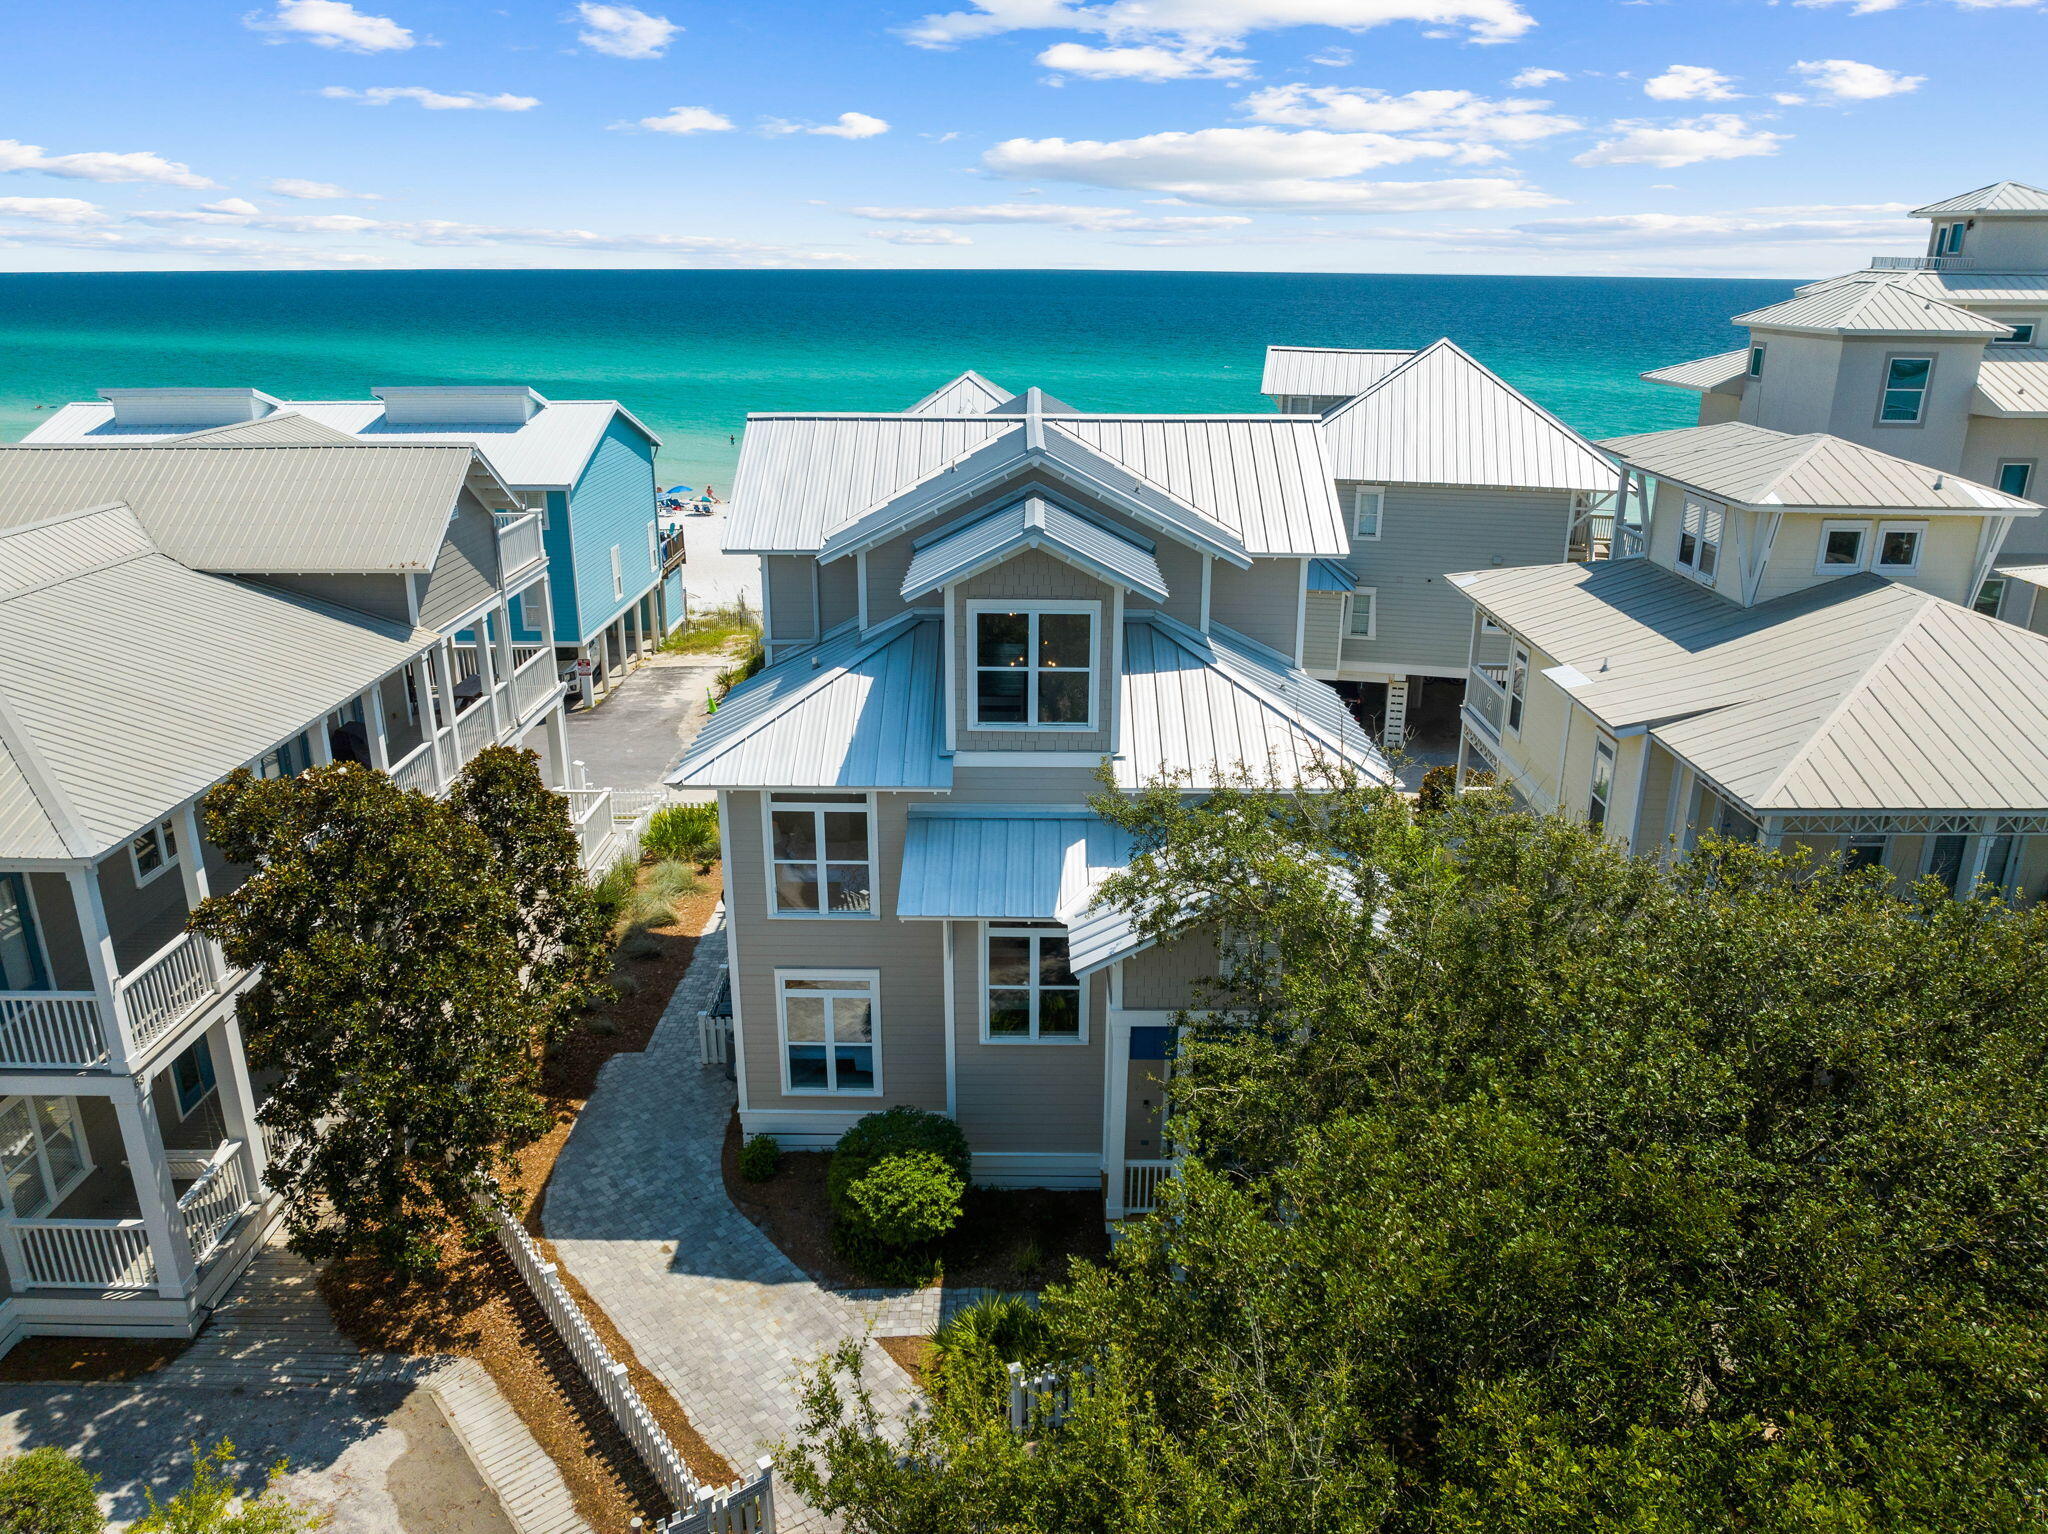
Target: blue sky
x,y
1661,137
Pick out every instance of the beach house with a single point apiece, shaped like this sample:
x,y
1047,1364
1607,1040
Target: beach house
x,y
1438,465
1785,650
170,614
971,607
1939,358
584,468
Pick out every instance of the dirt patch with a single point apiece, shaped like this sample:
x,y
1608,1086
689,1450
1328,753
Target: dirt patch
x,y
87,1360
480,1308
913,1355
1007,1238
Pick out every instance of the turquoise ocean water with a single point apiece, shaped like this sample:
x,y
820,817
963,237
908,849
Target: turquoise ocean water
x,y
692,352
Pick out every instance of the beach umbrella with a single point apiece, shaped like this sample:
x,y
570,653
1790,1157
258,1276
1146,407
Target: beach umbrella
x,y
680,490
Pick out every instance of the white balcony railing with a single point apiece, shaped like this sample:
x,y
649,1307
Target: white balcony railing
x,y
473,730
82,1254
1922,263
1141,1184
216,1200
519,542
1485,698
51,1028
534,682
174,980
416,770
1629,543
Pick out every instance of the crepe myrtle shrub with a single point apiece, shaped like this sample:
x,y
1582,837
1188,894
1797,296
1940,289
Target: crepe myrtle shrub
x,y
46,1491
1529,1186
411,970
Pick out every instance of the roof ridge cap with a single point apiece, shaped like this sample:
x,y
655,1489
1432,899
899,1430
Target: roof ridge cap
x,y
62,816
1392,373
1196,642
10,593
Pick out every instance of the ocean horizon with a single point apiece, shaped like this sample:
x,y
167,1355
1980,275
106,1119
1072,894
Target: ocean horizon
x,y
691,353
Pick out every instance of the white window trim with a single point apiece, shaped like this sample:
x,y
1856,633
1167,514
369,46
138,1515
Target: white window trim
x,y
1602,741
863,801
167,845
86,1165
2029,464
213,1087
1820,548
654,546
1884,387
1020,929
1379,523
618,575
2017,319
1696,529
1918,529
1521,662
1372,626
872,978
1093,612
1759,354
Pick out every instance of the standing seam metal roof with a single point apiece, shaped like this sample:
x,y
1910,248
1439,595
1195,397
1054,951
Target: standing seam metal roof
x,y
1324,371
2013,381
1873,306
967,394
1033,523
1005,864
1704,373
1999,197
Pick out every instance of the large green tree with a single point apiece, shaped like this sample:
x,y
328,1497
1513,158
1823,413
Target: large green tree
x,y
416,956
1534,1187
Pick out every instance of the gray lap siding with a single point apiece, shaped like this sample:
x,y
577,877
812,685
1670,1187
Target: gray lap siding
x,y
1023,1098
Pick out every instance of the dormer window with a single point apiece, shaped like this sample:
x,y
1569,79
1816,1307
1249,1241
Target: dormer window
x,y
1905,390
2022,333
1699,539
1034,665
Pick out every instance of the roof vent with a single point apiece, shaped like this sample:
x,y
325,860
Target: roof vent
x,y
459,405
187,408
1937,481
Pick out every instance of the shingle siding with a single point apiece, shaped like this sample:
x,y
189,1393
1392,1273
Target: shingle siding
x,y
1026,577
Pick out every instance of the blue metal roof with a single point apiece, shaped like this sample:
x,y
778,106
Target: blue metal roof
x,y
1331,575
1005,863
1034,523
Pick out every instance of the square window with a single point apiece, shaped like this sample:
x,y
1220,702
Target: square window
x,y
830,1031
1034,666
1898,548
1841,548
820,856
1003,639
1063,640
1063,699
999,697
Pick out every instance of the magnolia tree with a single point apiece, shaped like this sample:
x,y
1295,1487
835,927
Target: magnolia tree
x,y
1534,1187
416,955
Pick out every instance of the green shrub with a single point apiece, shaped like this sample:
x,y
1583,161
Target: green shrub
x,y
641,945
1005,1327
46,1491
615,889
672,879
760,1158
209,1504
1439,787
908,1200
688,831
892,1132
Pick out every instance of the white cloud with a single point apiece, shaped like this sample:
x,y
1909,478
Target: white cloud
x,y
315,191
1717,136
1062,215
434,101
847,125
332,24
1536,79
212,250
1457,116
1150,61
98,165
1690,82
623,31
1331,58
1847,80
1788,98
683,120
54,210
239,207
1214,23
919,237
1640,231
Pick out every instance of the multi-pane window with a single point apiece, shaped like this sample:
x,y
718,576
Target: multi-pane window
x,y
821,860
1032,993
21,957
154,850
1603,781
42,1153
1364,613
1518,688
1898,545
1756,362
2015,475
1905,389
1948,240
830,1030
1034,666
1368,503
1699,538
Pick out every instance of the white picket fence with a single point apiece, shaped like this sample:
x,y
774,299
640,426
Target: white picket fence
x,y
745,1508
714,1033
1038,1400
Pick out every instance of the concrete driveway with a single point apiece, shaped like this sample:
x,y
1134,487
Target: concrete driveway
x,y
633,737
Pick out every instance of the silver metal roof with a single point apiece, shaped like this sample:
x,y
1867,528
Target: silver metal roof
x,y
1875,305
260,509
1963,287
1855,694
1755,466
1705,373
96,748
547,451
1005,863
1033,523
2012,381
969,394
1999,197
1237,486
1443,418
856,711
1327,370
286,426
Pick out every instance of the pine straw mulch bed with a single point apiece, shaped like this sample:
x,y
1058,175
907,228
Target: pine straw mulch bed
x,y
480,1308
1007,1238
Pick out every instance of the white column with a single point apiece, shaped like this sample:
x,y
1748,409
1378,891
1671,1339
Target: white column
x,y
558,747
237,1097
375,723
1115,1108
487,673
143,1142
98,943
441,668
323,743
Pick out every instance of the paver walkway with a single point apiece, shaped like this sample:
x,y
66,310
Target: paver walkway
x,y
637,1210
